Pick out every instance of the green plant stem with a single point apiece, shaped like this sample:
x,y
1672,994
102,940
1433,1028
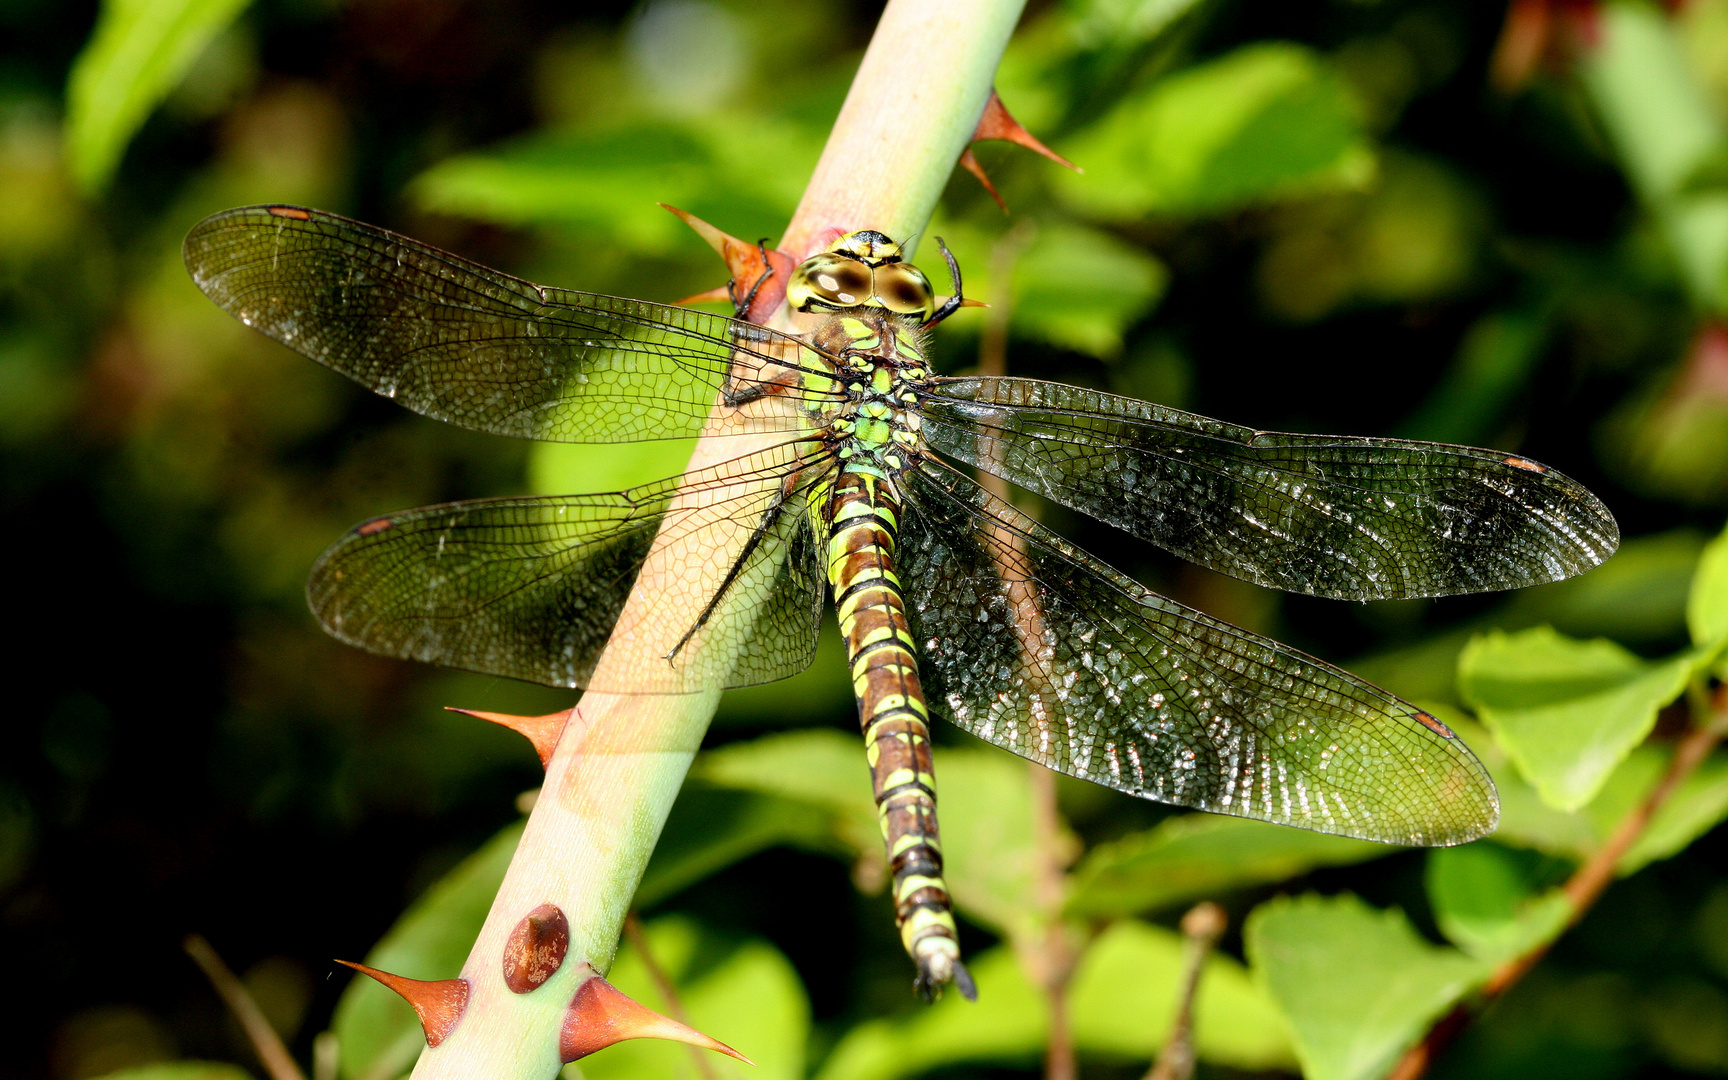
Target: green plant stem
x,y
1586,884
913,105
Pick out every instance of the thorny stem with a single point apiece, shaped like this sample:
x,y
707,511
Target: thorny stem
x,y
1202,927
265,1042
638,939
911,110
1586,884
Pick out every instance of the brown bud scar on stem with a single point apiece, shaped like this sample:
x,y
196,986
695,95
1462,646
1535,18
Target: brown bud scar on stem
x,y
536,948
542,731
600,1015
438,1003
748,263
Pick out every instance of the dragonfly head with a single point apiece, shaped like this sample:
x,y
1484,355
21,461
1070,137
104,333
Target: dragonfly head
x,y
861,269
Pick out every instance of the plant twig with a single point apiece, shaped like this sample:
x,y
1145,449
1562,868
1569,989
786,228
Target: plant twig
x,y
912,108
1582,889
265,1042
638,939
1202,927
1056,953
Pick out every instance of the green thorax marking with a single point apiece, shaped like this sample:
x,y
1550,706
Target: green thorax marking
x,y
881,370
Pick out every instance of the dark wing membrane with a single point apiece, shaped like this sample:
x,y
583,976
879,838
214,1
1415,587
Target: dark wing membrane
x,y
1031,644
1349,518
533,588
466,344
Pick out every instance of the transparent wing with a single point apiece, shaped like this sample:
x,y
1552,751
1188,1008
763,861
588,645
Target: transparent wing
x,y
466,344
1350,518
1031,644
533,588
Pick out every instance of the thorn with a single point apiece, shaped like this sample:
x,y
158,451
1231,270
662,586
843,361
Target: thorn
x,y
969,162
439,1003
996,123
542,731
536,948
601,1015
719,294
747,263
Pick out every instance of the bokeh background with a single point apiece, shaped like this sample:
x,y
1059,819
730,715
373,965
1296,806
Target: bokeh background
x,y
1434,219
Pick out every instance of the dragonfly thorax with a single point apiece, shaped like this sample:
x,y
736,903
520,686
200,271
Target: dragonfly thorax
x,y
880,370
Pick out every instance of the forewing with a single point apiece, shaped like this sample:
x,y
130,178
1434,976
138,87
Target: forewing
x,y
1033,645
1349,518
533,588
466,344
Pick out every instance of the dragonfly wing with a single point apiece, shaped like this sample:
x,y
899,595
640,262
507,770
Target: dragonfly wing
x,y
1031,644
466,344
533,588
1349,518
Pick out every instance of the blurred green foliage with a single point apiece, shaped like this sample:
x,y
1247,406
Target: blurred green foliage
x,y
1314,216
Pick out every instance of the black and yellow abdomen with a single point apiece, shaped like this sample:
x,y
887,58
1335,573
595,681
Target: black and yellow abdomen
x,y
863,515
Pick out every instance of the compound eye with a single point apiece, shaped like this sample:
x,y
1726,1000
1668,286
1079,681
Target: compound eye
x,y
829,281
902,288
843,283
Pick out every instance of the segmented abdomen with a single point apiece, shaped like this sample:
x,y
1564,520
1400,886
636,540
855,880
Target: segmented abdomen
x,y
864,516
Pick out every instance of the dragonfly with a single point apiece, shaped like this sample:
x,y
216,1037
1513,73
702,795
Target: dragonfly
x,y
950,600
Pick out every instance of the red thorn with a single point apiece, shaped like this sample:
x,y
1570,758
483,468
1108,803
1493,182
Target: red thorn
x,y
719,294
996,123
542,731
536,948
969,162
601,1015
439,1004
745,261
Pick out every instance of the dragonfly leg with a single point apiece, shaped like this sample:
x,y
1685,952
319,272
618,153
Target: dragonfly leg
x,y
741,308
757,535
953,303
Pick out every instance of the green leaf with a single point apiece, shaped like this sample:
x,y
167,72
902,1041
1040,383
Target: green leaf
x,y
1485,903
1201,855
1707,603
181,1070
585,468
746,994
1080,288
1659,117
819,767
985,800
1358,985
378,1032
1566,711
1695,807
611,182
1698,805
1122,1000
137,54
1263,122
1006,1024
709,829
1124,997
